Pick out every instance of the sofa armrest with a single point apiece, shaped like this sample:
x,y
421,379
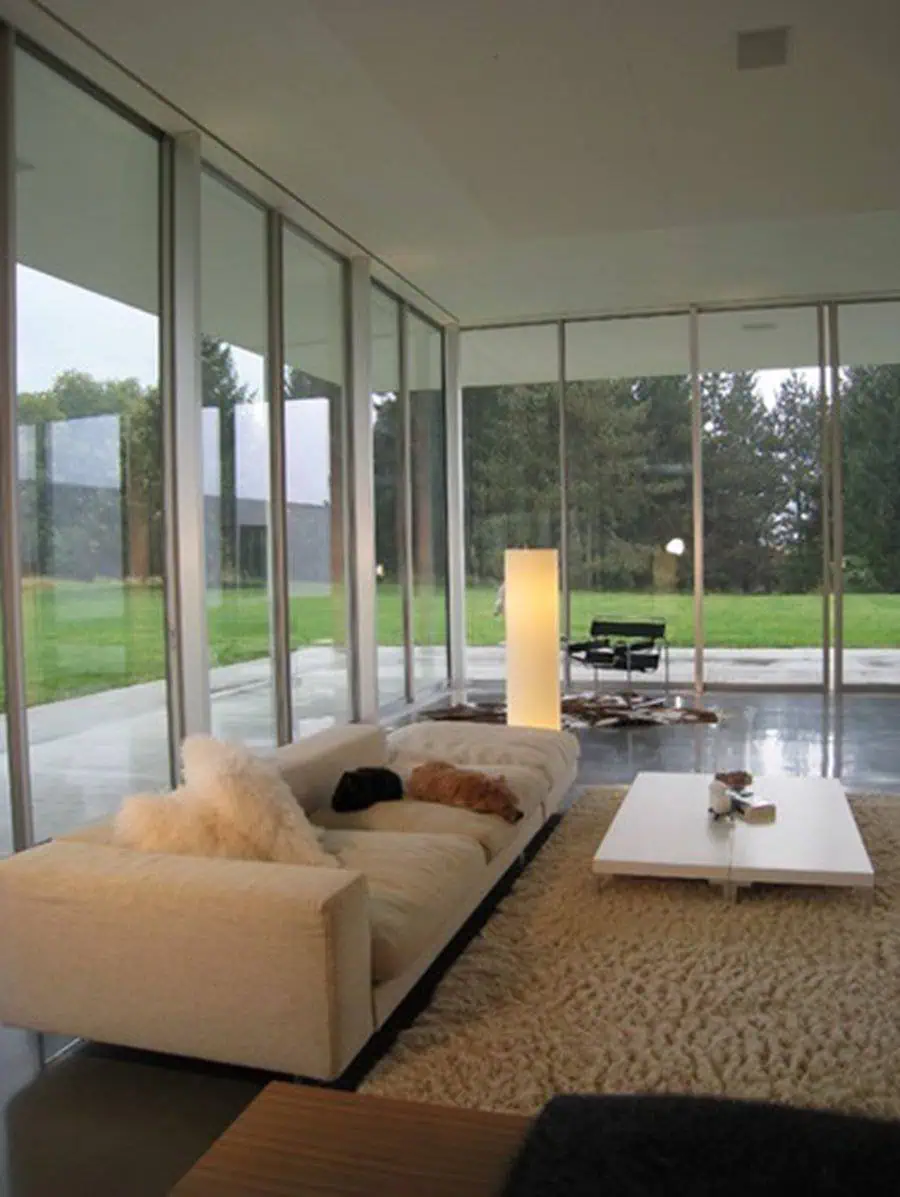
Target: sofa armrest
x,y
259,964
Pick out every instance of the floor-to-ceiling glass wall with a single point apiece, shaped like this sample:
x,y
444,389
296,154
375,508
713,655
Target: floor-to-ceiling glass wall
x,y
869,350
91,469
629,484
90,449
762,497
629,481
236,462
5,805
390,549
510,380
428,502
315,456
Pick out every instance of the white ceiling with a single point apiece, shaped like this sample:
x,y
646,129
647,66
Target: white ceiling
x,y
544,158
761,339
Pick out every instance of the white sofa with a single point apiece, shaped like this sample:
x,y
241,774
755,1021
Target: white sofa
x,y
282,967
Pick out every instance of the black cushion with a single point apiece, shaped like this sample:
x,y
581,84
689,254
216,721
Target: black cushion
x,y
362,788
702,1147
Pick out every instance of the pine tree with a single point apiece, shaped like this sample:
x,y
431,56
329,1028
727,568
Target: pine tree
x,y
798,521
871,432
740,484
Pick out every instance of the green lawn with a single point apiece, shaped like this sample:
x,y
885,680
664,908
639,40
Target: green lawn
x,y
731,620
83,638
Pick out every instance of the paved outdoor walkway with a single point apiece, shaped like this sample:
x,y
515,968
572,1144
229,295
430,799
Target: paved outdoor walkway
x,y
87,753
733,667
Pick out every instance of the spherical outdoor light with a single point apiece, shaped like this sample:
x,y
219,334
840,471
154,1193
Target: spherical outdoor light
x,y
675,546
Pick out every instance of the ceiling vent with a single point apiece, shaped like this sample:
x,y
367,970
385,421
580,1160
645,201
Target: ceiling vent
x,y
758,48
759,326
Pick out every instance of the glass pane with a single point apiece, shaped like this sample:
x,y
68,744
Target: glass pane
x,y
429,503
629,483
388,438
91,463
762,482
314,464
512,482
236,464
869,338
5,808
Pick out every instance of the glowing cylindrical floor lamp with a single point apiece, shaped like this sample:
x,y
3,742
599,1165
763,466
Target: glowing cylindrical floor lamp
x,y
531,601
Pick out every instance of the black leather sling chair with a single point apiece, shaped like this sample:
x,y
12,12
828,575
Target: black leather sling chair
x,y
631,646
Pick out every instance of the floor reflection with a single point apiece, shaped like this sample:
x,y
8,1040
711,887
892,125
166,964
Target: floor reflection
x,y
854,739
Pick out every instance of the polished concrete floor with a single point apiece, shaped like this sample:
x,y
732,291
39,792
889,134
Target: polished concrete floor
x,y
111,1123
87,752
799,734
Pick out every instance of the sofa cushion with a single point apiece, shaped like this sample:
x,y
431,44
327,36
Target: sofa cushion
x,y
312,767
415,882
491,832
553,754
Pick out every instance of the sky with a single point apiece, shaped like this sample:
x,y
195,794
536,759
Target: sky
x,y
64,327
768,382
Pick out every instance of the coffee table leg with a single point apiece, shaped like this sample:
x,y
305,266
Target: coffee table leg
x,y
867,894
605,879
730,892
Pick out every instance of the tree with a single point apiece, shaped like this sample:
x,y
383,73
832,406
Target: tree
x,y
741,484
668,470
387,439
871,432
609,491
797,527
69,531
72,535
511,437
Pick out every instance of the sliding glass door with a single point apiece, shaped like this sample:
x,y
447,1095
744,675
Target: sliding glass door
x,y
90,450
762,451
5,806
427,502
770,459
236,454
392,605
511,432
867,506
629,480
315,449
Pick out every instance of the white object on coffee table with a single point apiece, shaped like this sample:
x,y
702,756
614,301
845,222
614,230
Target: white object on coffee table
x,y
663,829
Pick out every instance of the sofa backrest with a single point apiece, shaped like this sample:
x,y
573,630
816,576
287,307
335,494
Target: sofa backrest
x,y
312,767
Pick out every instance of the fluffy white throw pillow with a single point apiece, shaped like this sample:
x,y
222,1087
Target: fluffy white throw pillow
x,y
232,804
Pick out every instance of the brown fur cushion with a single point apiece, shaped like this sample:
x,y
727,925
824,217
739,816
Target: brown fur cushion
x,y
436,781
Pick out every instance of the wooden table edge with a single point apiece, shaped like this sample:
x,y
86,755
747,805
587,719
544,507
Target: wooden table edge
x,y
244,1159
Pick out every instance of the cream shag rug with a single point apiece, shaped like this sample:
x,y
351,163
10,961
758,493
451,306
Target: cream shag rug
x,y
792,995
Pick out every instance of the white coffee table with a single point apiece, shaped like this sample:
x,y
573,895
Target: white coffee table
x,y
663,829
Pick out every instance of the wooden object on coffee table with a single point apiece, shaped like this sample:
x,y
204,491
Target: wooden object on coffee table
x,y
295,1139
